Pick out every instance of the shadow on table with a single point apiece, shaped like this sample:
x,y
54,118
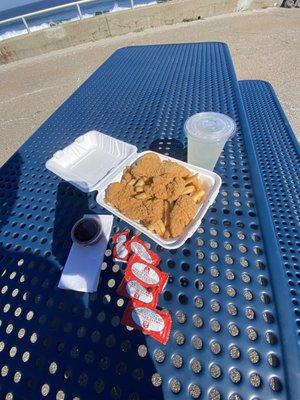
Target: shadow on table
x,y
71,205
10,174
53,339
171,147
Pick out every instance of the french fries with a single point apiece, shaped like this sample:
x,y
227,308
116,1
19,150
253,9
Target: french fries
x,y
140,183
189,189
197,197
127,176
167,234
141,196
158,227
142,189
194,181
131,182
166,216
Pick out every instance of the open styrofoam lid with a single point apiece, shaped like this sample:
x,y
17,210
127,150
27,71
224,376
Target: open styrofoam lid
x,y
88,161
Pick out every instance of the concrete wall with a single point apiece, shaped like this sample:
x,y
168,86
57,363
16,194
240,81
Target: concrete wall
x,y
119,23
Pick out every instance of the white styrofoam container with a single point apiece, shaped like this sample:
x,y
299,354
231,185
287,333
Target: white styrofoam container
x,y
211,181
88,161
95,160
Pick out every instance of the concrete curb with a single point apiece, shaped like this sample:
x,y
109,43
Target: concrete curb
x,y
119,23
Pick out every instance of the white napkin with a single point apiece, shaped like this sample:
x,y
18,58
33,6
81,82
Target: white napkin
x,y
83,266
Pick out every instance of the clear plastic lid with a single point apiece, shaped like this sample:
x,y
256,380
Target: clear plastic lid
x,y
210,127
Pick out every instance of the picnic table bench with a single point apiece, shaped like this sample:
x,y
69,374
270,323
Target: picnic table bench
x,y
234,286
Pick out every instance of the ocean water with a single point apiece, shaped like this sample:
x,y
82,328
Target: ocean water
x,y
54,18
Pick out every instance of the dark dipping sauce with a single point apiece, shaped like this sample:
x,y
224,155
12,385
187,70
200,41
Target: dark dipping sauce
x,y
86,230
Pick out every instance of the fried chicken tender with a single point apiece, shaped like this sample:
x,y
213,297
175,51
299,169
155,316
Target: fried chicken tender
x,y
167,187
171,167
154,211
163,179
133,208
118,193
146,166
113,190
183,211
158,186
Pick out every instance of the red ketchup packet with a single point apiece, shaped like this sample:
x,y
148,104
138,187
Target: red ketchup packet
x,y
145,274
152,322
120,252
137,246
134,290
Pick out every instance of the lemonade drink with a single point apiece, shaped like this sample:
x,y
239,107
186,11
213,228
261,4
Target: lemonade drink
x,y
207,134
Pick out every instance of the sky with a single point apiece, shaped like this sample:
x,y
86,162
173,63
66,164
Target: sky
x,y
6,4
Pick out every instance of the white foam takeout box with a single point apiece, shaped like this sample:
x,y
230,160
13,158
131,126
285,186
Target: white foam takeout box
x,y
94,160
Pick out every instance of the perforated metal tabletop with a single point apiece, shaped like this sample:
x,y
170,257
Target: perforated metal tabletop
x,y
233,290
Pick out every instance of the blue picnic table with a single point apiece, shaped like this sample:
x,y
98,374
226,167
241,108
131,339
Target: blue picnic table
x,y
234,286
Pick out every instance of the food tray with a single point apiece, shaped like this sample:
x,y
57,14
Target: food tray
x,y
95,160
211,181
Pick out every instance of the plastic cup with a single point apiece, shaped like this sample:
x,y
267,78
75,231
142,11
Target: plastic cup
x,y
86,231
207,133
